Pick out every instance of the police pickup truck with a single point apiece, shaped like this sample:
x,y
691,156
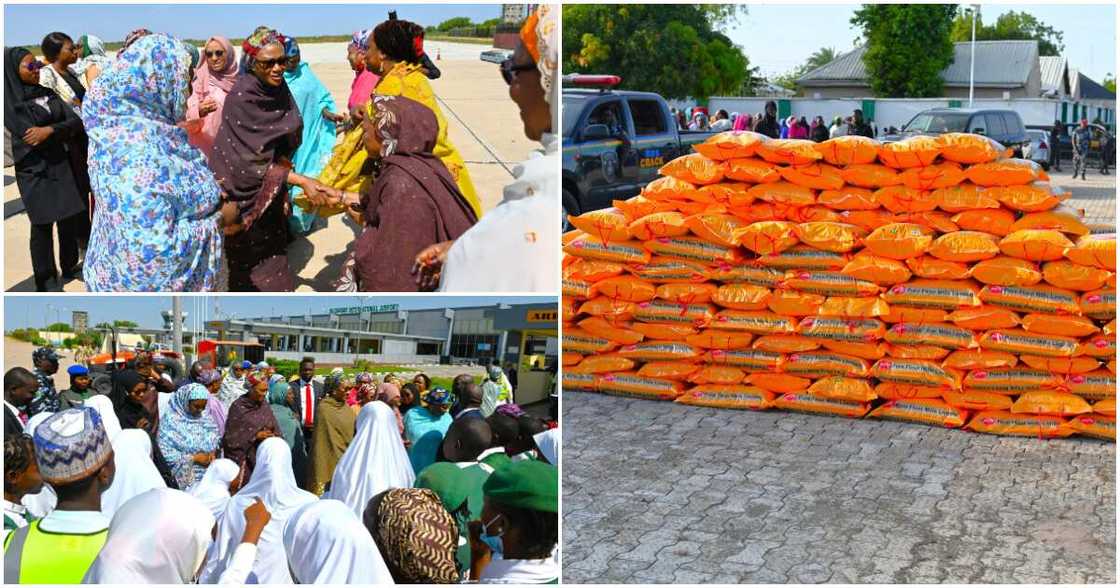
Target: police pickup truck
x,y
614,141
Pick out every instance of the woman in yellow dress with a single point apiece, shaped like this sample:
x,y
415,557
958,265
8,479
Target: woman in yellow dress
x,y
395,51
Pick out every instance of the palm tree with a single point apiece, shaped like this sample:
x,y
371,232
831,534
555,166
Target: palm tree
x,y
820,57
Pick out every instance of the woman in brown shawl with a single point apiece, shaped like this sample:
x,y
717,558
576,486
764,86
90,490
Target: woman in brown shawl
x,y
136,403
261,129
334,429
413,203
250,421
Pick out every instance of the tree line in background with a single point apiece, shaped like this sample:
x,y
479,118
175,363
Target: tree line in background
x,y
679,51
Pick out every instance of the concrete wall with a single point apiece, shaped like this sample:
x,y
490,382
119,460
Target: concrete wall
x,y
1033,88
398,347
427,324
348,358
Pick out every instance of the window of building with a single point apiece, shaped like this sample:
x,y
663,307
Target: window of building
x,y
474,346
427,348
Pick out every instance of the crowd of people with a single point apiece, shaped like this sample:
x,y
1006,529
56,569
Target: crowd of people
x,y
768,123
166,168
246,476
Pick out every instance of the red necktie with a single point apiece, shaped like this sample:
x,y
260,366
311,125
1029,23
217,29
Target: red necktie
x,y
307,408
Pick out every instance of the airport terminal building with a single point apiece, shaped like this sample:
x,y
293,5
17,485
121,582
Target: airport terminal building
x,y
524,334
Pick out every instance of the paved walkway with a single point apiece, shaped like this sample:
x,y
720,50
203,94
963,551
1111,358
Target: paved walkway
x,y
657,492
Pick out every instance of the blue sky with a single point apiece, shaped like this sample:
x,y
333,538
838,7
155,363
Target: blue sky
x,y
24,311
779,38
27,24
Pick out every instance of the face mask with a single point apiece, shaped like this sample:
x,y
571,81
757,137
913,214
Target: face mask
x,y
494,542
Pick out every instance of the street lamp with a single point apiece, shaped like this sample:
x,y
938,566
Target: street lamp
x,y
972,65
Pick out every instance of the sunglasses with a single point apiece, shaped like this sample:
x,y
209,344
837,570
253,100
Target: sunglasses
x,y
217,53
35,65
509,69
268,64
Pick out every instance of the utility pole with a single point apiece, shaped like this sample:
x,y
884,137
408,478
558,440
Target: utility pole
x,y
177,325
972,64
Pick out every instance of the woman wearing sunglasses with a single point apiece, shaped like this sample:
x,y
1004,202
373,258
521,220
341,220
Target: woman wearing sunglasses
x,y
510,248
213,80
252,161
40,124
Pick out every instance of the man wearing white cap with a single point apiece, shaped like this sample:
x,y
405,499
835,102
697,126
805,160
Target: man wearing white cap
x,y
76,459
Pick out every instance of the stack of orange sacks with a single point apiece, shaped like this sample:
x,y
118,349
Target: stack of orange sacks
x,y
932,280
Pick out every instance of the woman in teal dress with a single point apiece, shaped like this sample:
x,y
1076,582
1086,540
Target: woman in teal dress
x,y
317,107
425,426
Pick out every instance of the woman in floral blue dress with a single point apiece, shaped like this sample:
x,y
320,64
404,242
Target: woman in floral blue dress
x,y
156,225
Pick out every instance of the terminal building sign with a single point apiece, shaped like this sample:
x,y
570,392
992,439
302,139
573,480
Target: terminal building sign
x,y
356,309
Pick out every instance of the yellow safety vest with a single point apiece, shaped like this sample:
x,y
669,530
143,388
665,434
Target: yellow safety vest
x,y
34,556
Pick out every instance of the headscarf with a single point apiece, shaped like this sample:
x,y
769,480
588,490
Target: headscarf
x,y
245,158
274,483
289,424
257,34
327,544
20,111
246,418
128,411
155,226
104,407
182,435
360,40
548,442
291,47
232,389
213,488
93,53
131,38
136,472
159,537
417,537
387,392
541,39
510,410
374,462
205,80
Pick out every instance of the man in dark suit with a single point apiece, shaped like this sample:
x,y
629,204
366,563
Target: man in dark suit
x,y
306,394
19,388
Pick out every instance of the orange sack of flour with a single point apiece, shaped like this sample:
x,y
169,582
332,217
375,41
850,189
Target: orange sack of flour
x,y
723,229
783,193
870,350
570,358
933,268
593,270
719,339
686,293
979,359
658,224
616,332
659,350
635,386
589,247
830,236
727,396
748,360
819,364
805,257
868,220
848,198
929,411
627,288
669,188
1035,197
753,171
1035,244
789,151
785,343
848,150
610,309
600,364
579,381
935,177
767,237
668,270
977,400
969,148
929,352
880,270
742,296
668,370
730,145
938,334
694,168
581,289
638,206
778,383
870,175
723,193
829,284
1007,271
717,374
1093,385
1062,365
693,249
997,221
965,246
943,294
983,318
1005,172
1050,324
1092,425
1048,402
916,151
1058,220
794,303
1021,342
963,197
852,307
998,422
754,321
1015,380
581,341
818,176
1095,251
1042,299
841,388
900,199
805,402
748,274
660,311
917,372
1099,305
842,329
897,391
608,224
899,241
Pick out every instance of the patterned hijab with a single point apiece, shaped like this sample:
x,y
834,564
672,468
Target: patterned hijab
x,y
182,435
360,40
416,536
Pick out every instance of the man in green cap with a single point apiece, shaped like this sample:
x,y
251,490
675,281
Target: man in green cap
x,y
516,539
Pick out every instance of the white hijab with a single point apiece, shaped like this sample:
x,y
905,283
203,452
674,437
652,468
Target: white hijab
x,y
327,544
158,537
274,483
104,407
549,444
213,489
136,472
512,247
375,461
41,503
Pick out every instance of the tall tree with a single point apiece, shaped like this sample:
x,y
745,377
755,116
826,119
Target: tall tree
x,y
908,46
676,50
1109,82
1010,26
